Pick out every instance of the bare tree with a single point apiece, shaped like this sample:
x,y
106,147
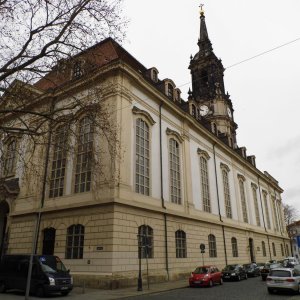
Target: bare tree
x,y
36,34
291,214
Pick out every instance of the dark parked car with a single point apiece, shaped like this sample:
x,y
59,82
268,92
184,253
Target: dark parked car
x,y
234,272
49,274
205,276
264,272
252,269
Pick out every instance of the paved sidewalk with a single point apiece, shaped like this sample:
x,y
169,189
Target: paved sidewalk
x,y
97,294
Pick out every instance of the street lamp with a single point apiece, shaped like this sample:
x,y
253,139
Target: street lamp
x,y
140,281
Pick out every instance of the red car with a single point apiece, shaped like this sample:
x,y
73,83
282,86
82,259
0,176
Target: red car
x,y
205,276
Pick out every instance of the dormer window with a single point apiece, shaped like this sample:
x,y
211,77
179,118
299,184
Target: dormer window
x,y
170,91
154,75
193,110
77,70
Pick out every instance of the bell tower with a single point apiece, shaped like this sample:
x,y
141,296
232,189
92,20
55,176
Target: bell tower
x,y
208,96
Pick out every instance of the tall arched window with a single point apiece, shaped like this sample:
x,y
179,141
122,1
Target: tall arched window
x,y
84,156
204,184
234,246
212,246
254,193
174,164
10,157
287,252
274,249
263,246
58,162
226,191
180,238
145,234
267,209
243,199
142,165
75,241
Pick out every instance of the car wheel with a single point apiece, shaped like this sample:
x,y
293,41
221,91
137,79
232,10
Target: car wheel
x,y
211,283
2,287
39,291
263,278
271,291
221,281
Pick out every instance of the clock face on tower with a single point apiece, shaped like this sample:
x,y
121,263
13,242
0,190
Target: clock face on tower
x,y
229,112
204,110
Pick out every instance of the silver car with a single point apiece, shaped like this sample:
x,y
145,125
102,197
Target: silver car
x,y
283,279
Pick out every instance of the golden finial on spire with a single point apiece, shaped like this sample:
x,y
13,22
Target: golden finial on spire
x,y
201,9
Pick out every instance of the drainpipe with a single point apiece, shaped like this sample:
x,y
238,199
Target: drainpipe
x,y
162,194
259,189
218,198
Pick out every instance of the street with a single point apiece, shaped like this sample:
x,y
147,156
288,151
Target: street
x,y
251,289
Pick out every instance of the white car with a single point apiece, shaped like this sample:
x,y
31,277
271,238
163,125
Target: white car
x,y
282,279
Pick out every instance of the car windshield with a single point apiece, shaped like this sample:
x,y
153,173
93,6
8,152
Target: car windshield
x,y
280,273
273,266
201,270
52,264
230,268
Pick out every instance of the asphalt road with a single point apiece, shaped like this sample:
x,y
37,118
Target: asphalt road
x,y
251,289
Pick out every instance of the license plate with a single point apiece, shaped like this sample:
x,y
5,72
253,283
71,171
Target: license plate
x,y
64,288
226,276
197,281
278,281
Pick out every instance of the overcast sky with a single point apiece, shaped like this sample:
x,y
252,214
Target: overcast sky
x,y
264,91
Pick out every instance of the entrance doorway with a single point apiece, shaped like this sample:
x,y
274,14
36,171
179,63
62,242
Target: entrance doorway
x,y
251,248
4,211
48,241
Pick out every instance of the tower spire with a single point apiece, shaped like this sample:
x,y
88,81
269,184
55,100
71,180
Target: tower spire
x,y
205,46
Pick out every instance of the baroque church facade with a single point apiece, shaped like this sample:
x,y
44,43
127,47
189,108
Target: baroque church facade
x,y
168,177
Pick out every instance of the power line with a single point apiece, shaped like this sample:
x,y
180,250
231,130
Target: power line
x,y
255,56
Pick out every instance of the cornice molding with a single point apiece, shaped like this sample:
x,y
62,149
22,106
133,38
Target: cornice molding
x,y
224,167
241,177
138,111
203,153
174,133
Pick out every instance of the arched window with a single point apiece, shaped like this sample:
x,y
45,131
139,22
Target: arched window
x,y
174,163
243,200
75,241
142,166
226,193
287,252
145,234
58,162
267,209
254,193
10,157
180,238
263,246
212,246
170,91
84,156
234,246
274,249
204,184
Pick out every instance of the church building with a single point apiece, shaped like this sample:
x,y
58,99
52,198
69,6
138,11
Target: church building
x,y
127,178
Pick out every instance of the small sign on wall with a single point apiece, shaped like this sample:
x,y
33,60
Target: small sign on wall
x,y
99,248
